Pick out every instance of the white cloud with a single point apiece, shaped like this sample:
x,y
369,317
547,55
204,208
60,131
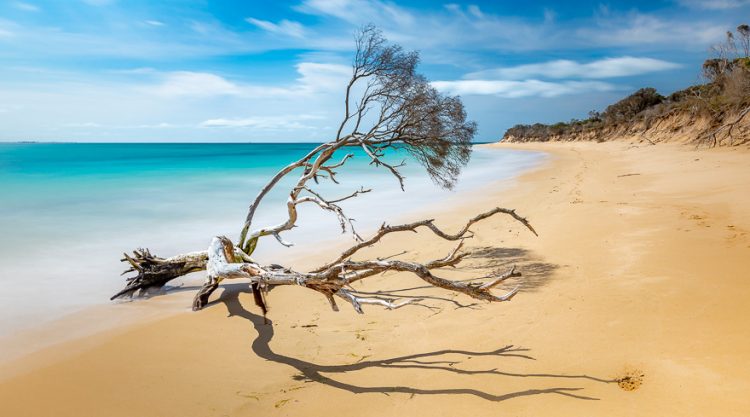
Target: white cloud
x,y
313,78
518,89
139,107
464,37
359,11
26,7
162,125
714,4
445,35
441,32
475,11
648,30
284,27
323,77
200,84
532,80
287,122
136,71
559,69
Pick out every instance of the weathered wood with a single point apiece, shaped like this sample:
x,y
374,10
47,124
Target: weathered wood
x,y
335,277
406,113
155,272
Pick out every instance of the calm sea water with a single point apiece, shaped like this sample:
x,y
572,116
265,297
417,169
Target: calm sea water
x,y
68,211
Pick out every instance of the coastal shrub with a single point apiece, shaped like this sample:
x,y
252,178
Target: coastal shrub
x,y
737,87
627,108
726,91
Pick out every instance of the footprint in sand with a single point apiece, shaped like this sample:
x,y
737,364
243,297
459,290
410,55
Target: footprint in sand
x,y
360,334
699,219
282,402
736,234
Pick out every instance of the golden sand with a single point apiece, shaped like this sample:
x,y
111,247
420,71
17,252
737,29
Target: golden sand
x,y
635,301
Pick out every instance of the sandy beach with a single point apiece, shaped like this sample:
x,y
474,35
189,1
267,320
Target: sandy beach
x,y
633,302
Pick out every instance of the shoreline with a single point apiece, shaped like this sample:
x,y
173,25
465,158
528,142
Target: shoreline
x,y
118,316
167,217
638,272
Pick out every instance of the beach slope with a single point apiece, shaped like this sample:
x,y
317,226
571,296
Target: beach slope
x,y
634,302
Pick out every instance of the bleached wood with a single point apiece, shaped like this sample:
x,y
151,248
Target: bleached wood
x,y
405,112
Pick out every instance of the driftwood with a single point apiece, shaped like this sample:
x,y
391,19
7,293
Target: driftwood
x,y
388,106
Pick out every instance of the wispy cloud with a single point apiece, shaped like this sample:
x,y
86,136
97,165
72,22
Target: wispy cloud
x,y
560,69
445,35
635,28
714,4
212,68
282,122
468,26
552,78
359,11
284,27
520,89
200,84
448,27
313,78
26,7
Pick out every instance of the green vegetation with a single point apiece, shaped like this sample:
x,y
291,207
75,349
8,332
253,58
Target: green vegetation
x,y
723,100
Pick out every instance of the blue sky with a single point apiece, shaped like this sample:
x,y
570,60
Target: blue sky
x,y
189,70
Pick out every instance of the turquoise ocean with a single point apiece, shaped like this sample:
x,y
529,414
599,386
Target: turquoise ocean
x,y
69,210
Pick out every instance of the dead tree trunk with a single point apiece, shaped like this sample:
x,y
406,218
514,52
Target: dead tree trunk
x,y
397,109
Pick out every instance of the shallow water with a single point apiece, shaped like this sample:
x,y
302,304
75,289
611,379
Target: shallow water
x,y
68,211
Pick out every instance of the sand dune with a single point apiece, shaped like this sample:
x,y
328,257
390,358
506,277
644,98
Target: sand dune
x,y
634,302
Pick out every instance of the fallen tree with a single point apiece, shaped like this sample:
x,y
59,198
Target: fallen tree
x,y
388,106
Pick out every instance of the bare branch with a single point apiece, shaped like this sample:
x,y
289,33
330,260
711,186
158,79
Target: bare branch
x,y
352,195
281,240
495,282
376,160
411,227
155,272
357,301
388,107
333,207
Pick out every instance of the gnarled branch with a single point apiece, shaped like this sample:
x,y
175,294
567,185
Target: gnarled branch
x,y
388,107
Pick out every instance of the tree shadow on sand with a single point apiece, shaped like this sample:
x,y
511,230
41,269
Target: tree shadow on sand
x,y
535,274
428,361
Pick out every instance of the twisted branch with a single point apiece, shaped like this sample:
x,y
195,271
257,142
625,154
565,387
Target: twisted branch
x,y
411,116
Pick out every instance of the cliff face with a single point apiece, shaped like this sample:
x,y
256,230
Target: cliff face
x,y
713,114
733,129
